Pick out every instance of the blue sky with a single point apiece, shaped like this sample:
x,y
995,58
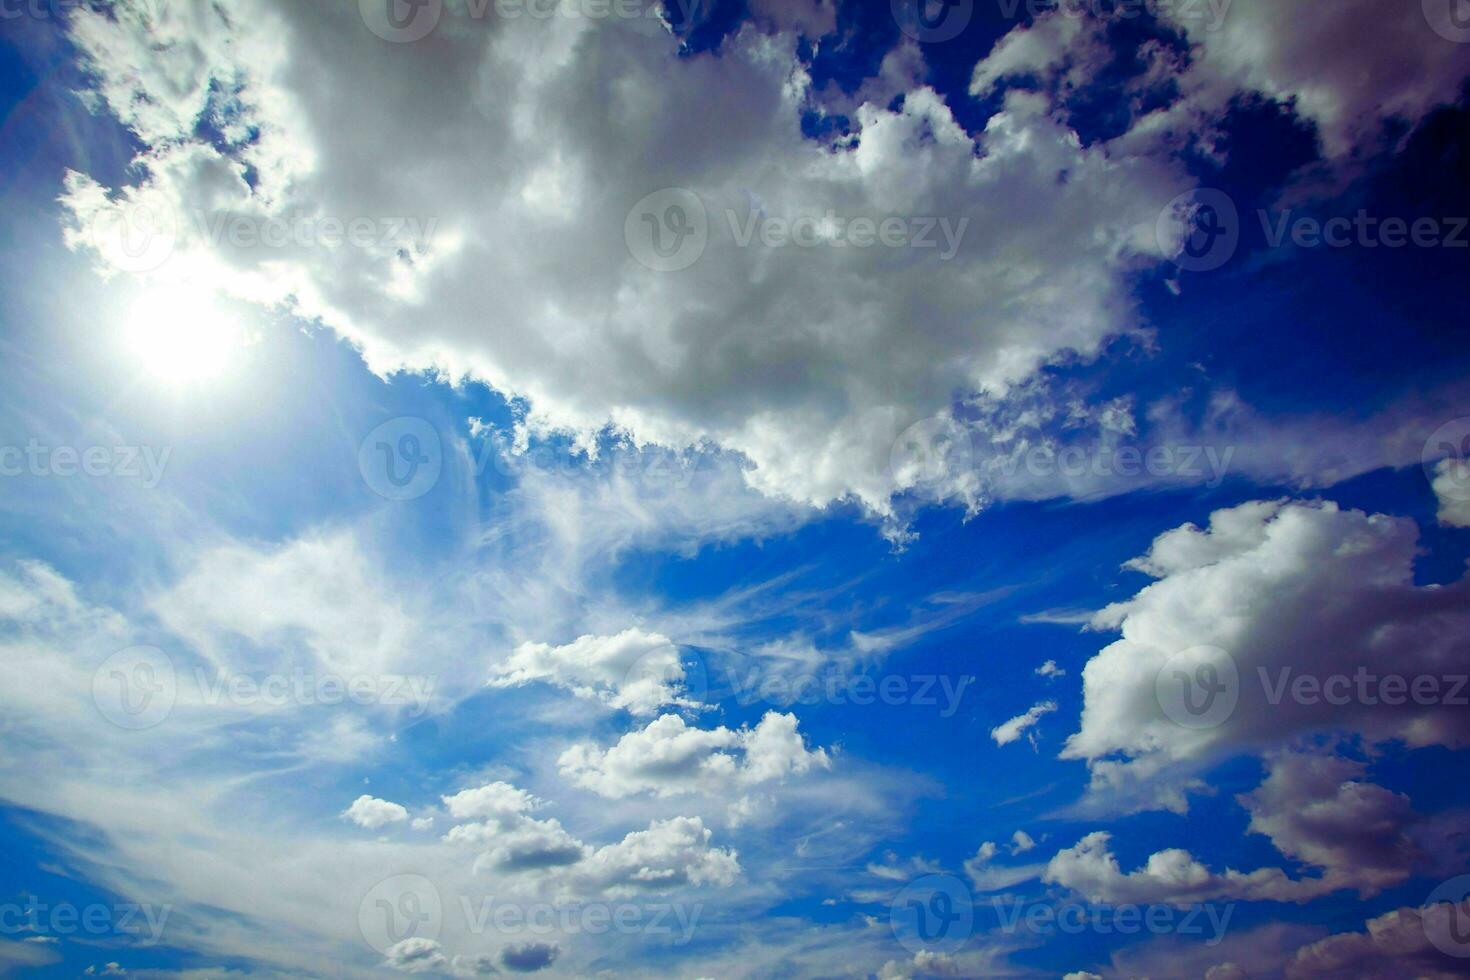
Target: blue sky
x,y
742,490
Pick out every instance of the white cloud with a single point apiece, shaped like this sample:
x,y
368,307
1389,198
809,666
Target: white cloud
x,y
668,757
635,670
1050,669
1286,590
1021,842
1010,731
372,813
1451,485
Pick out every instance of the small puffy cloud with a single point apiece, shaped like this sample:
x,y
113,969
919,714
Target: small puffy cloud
x,y
669,757
1021,842
529,957
1008,732
1050,669
669,854
635,670
372,813
926,963
1451,485
422,823
416,955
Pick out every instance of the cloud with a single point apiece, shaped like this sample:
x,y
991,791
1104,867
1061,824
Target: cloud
x,y
1276,591
1010,731
529,957
668,758
1451,485
635,670
1050,668
809,361
372,813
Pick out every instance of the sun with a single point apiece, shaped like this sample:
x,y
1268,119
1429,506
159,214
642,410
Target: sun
x,y
181,337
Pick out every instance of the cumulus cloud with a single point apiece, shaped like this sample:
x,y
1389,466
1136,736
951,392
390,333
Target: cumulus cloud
x,y
807,360
1273,591
635,670
1010,731
668,854
1394,944
669,757
1451,485
372,813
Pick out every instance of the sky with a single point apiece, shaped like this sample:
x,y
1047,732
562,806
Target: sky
x,y
735,488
